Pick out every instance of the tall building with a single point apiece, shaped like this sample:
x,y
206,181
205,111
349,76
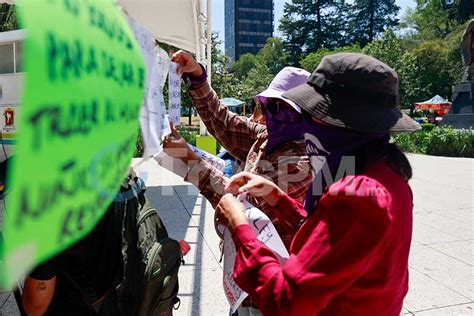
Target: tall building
x,y
248,24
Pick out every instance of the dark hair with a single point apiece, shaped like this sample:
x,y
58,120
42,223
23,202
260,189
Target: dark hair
x,y
377,151
253,105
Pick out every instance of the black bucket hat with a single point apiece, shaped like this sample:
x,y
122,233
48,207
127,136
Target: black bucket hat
x,y
354,91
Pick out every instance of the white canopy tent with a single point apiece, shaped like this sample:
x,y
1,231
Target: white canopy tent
x,y
180,23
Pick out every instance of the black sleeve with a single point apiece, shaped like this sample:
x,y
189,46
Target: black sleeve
x,y
45,271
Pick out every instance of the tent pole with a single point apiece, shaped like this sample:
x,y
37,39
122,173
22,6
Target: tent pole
x,y
209,40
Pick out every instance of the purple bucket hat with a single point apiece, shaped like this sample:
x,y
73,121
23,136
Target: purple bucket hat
x,y
288,78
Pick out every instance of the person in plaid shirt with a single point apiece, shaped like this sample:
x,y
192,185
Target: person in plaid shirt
x,y
283,161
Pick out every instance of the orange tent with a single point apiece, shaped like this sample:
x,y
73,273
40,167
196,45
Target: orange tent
x,y
437,104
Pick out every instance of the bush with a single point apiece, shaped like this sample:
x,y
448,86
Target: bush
x,y
427,126
440,141
451,143
188,134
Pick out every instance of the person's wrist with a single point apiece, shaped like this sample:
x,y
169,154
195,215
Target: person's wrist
x,y
274,197
192,155
237,220
197,77
198,72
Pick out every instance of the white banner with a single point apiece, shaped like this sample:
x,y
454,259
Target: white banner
x,y
153,117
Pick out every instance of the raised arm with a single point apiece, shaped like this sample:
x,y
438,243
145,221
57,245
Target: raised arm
x,y
232,131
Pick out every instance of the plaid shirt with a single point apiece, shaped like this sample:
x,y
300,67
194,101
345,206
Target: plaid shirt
x,y
287,166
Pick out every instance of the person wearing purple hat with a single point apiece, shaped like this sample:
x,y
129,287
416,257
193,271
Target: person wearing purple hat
x,y
261,147
275,149
352,238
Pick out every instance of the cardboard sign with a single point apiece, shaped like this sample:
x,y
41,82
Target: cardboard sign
x,y
77,129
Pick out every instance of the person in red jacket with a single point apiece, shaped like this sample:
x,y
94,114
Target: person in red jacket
x,y
353,233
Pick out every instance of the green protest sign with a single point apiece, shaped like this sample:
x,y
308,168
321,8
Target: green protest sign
x,y
78,124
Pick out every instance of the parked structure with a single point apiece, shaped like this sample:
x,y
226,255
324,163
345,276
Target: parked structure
x,y
11,78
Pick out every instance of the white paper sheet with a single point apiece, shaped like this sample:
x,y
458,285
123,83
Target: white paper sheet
x,y
153,117
174,95
266,233
215,161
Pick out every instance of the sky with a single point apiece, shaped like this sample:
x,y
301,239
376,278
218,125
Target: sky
x,y
218,14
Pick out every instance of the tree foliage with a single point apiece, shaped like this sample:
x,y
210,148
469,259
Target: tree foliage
x,y
429,20
8,18
310,25
245,63
370,18
273,55
312,60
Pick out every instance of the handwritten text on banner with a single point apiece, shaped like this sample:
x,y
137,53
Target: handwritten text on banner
x,y
78,126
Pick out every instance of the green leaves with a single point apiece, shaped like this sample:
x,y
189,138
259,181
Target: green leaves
x,y
441,141
8,19
312,60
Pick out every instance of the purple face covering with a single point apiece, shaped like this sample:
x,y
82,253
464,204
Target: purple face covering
x,y
331,153
283,126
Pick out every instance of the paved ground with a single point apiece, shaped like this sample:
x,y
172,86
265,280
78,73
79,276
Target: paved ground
x,y
441,261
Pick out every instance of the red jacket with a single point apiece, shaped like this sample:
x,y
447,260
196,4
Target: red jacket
x,y
349,258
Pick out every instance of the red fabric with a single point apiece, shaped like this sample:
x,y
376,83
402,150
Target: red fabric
x,y
349,258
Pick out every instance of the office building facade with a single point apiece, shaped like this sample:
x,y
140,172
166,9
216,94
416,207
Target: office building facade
x,y
248,24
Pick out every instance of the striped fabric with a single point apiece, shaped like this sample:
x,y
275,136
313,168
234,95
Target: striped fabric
x,y
287,166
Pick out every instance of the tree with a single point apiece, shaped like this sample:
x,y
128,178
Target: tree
x,y
370,18
312,60
223,82
273,55
438,71
257,81
429,68
391,51
308,25
8,20
245,63
430,20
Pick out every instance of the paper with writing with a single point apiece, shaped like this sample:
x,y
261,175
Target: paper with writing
x,y
77,129
180,168
163,62
174,95
215,161
153,117
266,233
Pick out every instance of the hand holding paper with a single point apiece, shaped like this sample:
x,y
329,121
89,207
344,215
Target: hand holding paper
x,y
254,185
230,212
263,229
175,146
186,63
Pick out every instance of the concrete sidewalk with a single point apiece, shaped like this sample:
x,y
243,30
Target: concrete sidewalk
x,y
441,261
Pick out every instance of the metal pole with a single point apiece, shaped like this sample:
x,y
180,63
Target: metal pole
x,y
209,40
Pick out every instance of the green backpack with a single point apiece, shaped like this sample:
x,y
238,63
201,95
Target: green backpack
x,y
151,259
